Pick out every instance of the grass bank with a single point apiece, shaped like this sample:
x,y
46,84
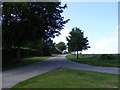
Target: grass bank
x,y
67,78
94,60
24,61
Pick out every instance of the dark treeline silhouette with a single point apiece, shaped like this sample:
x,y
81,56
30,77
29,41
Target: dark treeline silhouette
x,y
27,28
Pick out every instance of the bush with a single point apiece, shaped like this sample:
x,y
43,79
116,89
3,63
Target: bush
x,y
107,56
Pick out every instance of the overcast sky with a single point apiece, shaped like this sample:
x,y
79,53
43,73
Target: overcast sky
x,y
98,20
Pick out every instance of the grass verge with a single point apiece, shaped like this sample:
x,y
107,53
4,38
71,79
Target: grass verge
x,y
24,61
67,78
94,60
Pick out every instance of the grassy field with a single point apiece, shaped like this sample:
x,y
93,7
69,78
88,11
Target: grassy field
x,y
67,78
24,61
94,60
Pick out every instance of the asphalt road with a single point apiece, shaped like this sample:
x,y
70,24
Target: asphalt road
x,y
13,76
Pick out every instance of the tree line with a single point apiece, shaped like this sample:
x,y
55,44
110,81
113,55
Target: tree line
x,y
31,25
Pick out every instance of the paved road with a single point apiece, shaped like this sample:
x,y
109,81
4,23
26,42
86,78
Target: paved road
x,y
13,76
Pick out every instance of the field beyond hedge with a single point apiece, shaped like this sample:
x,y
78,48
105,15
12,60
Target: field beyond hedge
x,y
103,60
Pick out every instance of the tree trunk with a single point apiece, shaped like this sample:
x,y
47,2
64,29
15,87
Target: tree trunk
x,y
77,55
18,53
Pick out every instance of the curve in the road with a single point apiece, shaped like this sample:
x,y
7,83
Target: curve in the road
x,y
13,76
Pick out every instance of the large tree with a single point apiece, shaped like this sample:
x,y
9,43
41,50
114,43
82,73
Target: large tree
x,y
44,47
24,22
61,46
76,41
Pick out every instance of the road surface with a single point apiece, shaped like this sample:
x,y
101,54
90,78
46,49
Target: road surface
x,y
13,76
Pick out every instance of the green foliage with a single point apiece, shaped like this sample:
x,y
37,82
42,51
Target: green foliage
x,y
66,78
61,46
76,41
44,47
9,55
56,51
28,22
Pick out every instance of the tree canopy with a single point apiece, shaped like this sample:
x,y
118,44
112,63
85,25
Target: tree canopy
x,y
61,46
26,21
76,41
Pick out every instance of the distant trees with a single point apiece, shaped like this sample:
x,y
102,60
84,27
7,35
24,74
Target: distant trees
x,y
76,41
61,46
25,22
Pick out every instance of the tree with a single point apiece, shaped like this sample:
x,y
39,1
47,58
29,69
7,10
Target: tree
x,y
25,22
42,46
76,41
61,46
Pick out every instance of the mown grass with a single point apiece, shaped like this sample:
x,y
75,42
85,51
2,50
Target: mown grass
x,y
67,78
94,60
24,61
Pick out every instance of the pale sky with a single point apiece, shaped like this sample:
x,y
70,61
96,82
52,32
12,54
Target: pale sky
x,y
98,20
